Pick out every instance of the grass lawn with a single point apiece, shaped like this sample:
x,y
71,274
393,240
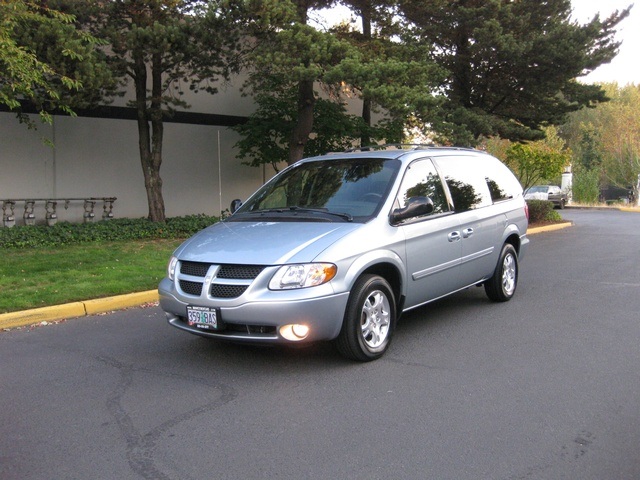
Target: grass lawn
x,y
39,277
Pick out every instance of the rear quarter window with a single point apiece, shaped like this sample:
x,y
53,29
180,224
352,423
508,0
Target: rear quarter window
x,y
503,185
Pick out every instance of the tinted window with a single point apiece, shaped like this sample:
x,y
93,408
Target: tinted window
x,y
422,180
466,179
502,184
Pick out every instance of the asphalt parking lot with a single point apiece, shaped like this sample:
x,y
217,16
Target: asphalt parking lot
x,y
546,386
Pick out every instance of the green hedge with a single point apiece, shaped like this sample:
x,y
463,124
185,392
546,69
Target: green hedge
x,y
64,233
541,211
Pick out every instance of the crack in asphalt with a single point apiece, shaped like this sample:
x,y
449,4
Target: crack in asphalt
x,y
141,446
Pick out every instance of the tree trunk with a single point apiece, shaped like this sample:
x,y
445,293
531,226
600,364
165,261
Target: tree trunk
x,y
150,134
304,125
365,13
306,102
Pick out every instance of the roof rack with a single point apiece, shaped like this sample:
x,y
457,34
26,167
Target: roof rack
x,y
403,146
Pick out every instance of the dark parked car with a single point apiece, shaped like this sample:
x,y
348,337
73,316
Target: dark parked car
x,y
552,193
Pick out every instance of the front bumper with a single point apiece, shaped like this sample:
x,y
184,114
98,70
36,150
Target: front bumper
x,y
260,321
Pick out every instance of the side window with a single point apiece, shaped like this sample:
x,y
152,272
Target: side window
x,y
422,180
466,179
503,185
497,193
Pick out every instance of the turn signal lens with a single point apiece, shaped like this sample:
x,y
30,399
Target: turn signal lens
x,y
171,268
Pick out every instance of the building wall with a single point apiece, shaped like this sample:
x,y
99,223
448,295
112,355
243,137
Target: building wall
x,y
98,157
95,157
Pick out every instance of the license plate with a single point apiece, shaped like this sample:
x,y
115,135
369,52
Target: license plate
x,y
202,317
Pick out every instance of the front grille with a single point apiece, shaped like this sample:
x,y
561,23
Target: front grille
x,y
239,276
227,291
195,269
235,272
191,288
239,272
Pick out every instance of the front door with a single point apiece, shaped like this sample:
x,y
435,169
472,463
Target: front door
x,y
433,241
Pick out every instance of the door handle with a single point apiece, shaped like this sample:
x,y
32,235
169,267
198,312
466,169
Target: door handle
x,y
454,237
467,232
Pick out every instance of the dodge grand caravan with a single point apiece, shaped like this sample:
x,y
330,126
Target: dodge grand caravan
x,y
337,247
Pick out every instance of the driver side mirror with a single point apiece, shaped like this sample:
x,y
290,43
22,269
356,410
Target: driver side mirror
x,y
235,205
416,206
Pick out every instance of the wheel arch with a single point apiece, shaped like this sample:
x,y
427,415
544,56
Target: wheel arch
x,y
392,275
512,236
384,263
514,240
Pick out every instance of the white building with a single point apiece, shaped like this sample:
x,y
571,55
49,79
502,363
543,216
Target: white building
x,y
96,155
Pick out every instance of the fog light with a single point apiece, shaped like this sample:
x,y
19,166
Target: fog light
x,y
295,332
300,331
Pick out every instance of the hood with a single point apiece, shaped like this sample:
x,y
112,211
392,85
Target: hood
x,y
536,196
263,243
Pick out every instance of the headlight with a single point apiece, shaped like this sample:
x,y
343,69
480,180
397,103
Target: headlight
x,y
302,276
171,268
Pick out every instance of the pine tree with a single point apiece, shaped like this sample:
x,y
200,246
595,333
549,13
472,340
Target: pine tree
x,y
512,65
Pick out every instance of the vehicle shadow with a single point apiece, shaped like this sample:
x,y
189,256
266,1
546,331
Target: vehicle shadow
x,y
442,315
449,309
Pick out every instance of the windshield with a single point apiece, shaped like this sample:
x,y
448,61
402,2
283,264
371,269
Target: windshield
x,y
347,189
538,188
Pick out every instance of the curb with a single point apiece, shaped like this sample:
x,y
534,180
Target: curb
x,y
76,309
100,305
549,228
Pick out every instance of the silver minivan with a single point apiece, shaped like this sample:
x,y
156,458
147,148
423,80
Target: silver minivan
x,y
337,247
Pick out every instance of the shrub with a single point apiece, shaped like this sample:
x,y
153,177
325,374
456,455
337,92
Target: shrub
x,y
585,186
541,211
64,233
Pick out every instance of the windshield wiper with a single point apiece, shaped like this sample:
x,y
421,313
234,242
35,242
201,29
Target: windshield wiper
x,y
294,209
345,216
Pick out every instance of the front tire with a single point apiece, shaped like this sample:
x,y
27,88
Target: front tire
x,y
369,320
502,285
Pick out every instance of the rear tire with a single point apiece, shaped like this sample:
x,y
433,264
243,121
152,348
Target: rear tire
x,y
502,285
369,320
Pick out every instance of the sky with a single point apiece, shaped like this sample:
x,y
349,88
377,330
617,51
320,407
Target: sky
x,y
625,67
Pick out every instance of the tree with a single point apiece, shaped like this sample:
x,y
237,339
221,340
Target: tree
x,y
540,160
161,46
511,65
607,138
392,77
371,12
585,185
290,57
268,130
45,62
293,61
